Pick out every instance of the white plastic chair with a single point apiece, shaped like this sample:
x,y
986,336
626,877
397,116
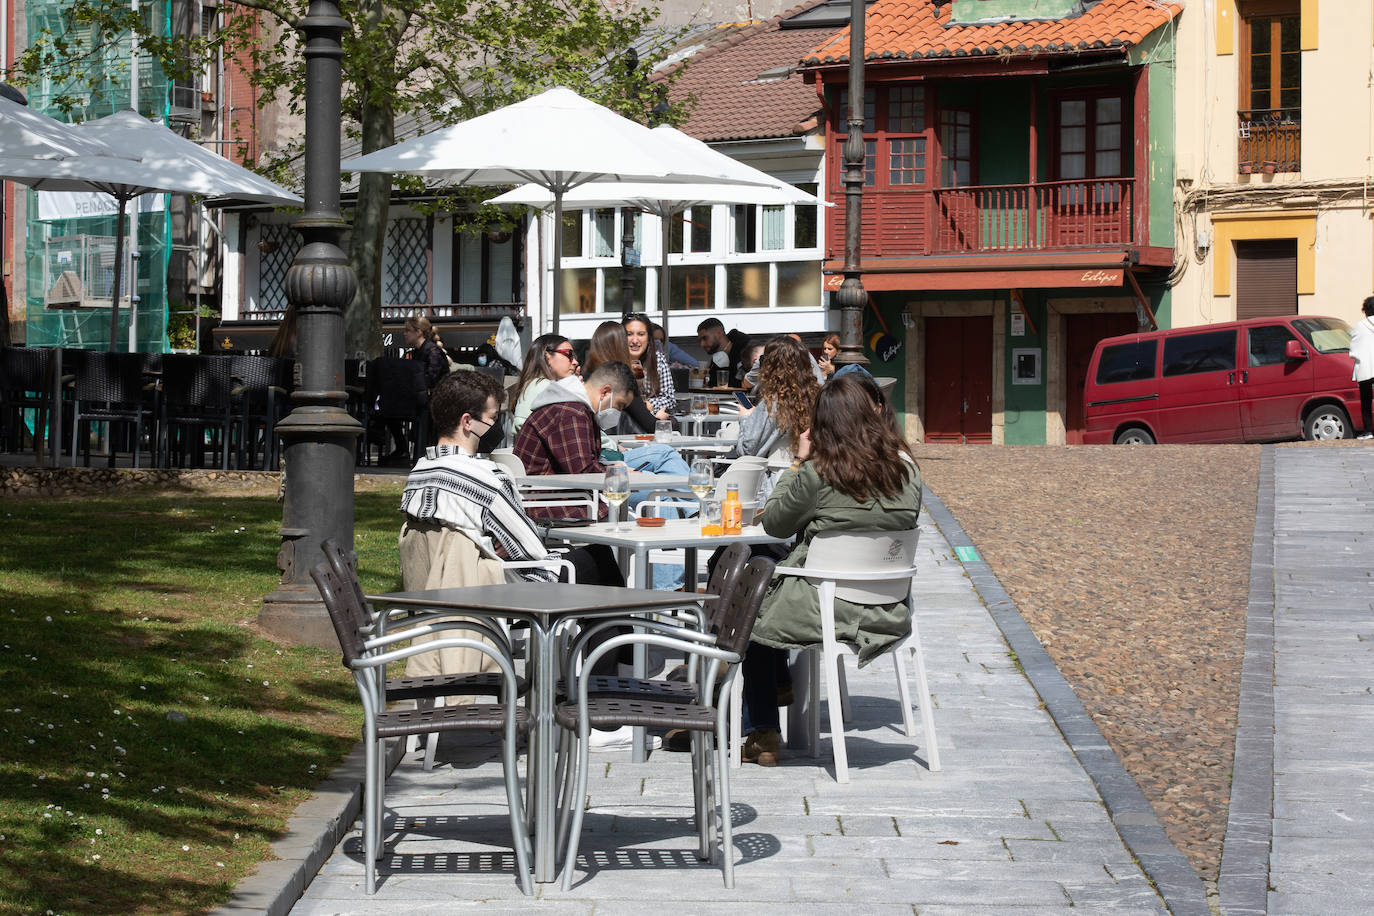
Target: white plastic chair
x,y
864,567
532,497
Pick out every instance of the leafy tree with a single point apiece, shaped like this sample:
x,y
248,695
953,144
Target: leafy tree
x,y
429,62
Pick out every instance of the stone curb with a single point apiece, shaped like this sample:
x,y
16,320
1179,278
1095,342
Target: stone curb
x,y
1244,880
312,833
1131,814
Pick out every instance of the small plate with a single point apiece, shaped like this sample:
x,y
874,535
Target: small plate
x,y
649,521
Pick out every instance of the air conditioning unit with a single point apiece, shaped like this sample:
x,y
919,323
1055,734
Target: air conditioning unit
x,y
78,272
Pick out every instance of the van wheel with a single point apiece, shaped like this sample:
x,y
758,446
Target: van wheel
x,y
1326,421
1135,436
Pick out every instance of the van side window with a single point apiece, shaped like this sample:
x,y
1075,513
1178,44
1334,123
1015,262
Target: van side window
x,y
1213,351
1129,362
1266,345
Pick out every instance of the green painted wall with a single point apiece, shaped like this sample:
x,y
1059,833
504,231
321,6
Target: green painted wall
x,y
1024,415
1158,52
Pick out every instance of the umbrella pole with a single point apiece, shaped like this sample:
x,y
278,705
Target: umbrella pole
x,y
666,215
556,294
118,275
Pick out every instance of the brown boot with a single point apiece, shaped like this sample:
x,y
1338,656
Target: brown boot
x,y
761,747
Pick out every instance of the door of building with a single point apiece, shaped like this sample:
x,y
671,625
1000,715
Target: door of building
x,y
959,380
1081,334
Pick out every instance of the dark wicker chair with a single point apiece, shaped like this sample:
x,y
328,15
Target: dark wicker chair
x,y
707,722
24,385
107,388
367,660
262,385
196,398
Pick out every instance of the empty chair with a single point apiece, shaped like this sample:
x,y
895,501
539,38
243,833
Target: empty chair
x,y
196,408
533,497
367,660
864,567
706,719
24,386
107,388
261,388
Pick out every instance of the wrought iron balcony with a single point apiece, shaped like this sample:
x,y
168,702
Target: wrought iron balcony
x,y
1270,140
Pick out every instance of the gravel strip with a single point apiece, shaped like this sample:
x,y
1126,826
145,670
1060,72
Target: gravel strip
x,y
1132,567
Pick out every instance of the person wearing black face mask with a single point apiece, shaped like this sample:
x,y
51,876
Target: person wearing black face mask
x,y
452,487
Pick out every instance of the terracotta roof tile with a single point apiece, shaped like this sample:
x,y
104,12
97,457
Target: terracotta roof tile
x,y
733,103
914,29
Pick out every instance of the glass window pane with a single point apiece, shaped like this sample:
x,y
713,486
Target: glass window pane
x,y
1073,112
1267,343
746,286
1073,165
469,256
1108,136
612,292
745,219
1290,33
501,271
870,163
1109,109
805,222
799,284
1073,139
1187,354
774,228
572,233
605,244
1126,363
700,218
1107,164
1260,100
1259,36
579,291
692,287
906,110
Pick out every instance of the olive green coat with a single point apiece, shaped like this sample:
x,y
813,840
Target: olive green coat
x,y
803,503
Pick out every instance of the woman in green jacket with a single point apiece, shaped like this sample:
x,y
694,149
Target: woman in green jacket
x,y
852,472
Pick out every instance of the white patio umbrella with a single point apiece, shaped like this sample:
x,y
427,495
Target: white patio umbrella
x,y
665,200
556,140
33,145
126,155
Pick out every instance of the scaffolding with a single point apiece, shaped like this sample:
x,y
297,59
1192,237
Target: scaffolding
x,y
119,77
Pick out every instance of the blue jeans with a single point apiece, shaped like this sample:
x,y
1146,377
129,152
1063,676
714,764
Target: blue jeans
x,y
655,458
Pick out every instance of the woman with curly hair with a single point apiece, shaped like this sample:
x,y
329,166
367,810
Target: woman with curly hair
x,y
854,472
787,395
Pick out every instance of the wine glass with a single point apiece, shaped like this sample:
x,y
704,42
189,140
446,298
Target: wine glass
x,y
700,478
616,490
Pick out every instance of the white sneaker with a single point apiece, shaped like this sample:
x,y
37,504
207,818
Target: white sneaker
x,y
1365,436
619,740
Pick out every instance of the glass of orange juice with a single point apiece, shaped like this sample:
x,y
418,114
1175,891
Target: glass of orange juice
x,y
710,518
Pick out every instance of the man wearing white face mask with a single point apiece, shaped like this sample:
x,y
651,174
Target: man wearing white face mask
x,y
563,432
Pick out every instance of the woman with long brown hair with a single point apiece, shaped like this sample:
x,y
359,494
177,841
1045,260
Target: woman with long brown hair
x,y
830,348
649,357
787,395
610,343
852,471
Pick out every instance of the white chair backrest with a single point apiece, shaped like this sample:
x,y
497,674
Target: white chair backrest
x,y
781,455
729,430
746,476
506,458
867,551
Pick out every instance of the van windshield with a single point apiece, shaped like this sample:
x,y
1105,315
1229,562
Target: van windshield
x,y
1328,335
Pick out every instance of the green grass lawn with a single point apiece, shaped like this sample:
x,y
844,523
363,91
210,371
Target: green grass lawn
x,y
152,743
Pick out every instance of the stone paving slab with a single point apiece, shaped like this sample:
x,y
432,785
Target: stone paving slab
x,y
1012,824
1319,858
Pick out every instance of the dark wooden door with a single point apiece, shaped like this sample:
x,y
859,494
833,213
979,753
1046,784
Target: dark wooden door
x,y
1081,334
959,380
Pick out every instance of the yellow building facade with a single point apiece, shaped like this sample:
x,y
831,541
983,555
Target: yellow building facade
x,y
1273,175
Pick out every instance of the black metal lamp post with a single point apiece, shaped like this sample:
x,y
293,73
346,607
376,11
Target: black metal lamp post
x,y
851,296
627,261
320,436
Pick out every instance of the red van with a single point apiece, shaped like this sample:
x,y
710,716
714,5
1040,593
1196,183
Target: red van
x,y
1259,380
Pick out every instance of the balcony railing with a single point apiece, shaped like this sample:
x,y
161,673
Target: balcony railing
x,y
1270,140
1018,217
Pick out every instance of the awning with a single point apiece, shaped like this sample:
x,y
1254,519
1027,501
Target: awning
x,y
994,270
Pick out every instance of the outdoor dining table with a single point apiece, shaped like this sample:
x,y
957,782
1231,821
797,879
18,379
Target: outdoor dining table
x,y
546,606
684,534
679,441
699,422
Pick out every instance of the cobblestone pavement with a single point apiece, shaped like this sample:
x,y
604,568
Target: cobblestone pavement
x,y
1011,823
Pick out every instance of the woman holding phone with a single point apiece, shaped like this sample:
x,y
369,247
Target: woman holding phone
x,y
787,395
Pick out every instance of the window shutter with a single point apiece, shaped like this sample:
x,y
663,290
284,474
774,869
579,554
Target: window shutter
x,y
1266,278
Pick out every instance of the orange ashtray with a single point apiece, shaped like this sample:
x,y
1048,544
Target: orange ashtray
x,y
648,521
645,438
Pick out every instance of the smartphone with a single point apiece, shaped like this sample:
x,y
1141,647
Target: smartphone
x,y
743,400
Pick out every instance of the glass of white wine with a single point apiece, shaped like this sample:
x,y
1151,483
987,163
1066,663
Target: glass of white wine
x,y
616,490
700,478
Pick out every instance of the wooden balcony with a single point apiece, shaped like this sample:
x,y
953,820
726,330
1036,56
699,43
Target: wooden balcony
x,y
1055,215
1270,140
